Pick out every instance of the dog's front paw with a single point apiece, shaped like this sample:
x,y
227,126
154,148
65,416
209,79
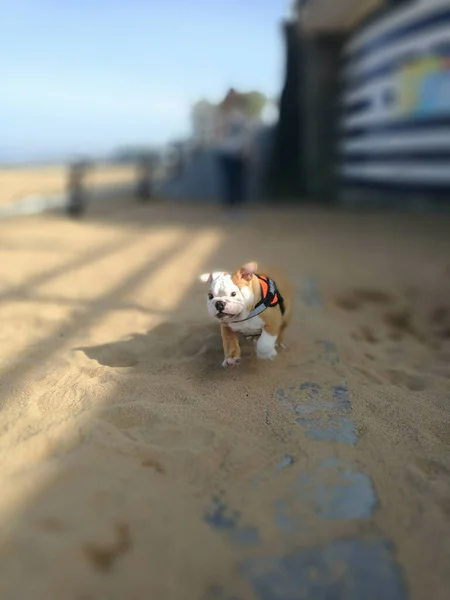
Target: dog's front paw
x,y
231,362
282,346
266,355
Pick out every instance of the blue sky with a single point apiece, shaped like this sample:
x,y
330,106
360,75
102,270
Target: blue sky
x,y
89,75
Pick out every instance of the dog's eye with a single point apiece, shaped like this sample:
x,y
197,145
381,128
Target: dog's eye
x,y
233,293
210,296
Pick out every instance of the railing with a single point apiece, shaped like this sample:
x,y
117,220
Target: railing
x,y
73,187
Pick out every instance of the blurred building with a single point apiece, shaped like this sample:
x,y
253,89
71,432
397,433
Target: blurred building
x,y
270,113
205,116
372,97
204,123
197,176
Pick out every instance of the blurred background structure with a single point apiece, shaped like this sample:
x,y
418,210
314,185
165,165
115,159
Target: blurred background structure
x,y
351,103
375,86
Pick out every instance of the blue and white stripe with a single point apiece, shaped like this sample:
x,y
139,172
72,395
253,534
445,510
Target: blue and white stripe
x,y
379,146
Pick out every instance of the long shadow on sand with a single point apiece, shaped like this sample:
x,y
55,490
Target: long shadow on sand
x,y
182,471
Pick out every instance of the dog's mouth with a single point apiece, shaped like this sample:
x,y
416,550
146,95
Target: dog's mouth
x,y
222,315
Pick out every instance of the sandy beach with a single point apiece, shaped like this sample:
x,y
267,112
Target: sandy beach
x,y
134,467
17,183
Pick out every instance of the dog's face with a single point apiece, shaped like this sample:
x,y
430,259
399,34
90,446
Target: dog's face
x,y
229,295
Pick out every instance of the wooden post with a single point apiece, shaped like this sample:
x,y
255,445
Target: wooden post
x,y
76,188
144,178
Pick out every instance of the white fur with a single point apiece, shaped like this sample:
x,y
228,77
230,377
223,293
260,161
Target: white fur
x,y
265,348
251,327
209,277
238,302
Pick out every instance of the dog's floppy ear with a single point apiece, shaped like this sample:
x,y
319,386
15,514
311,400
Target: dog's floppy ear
x,y
209,277
206,277
248,270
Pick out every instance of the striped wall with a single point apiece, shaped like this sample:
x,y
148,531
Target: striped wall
x,y
394,133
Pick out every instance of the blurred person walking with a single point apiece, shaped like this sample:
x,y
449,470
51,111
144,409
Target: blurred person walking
x,y
233,149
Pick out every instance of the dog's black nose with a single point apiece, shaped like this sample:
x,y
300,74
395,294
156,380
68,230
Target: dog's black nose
x,y
220,305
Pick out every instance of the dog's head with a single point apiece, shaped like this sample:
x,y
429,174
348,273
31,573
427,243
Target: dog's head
x,y
230,296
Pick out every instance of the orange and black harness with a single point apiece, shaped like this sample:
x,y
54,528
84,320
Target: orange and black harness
x,y
270,297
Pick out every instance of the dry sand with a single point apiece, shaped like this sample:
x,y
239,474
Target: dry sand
x,y
134,467
16,183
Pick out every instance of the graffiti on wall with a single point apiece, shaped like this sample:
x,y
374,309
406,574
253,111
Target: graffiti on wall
x,y
424,87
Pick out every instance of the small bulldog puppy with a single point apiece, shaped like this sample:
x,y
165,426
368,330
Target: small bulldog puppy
x,y
250,303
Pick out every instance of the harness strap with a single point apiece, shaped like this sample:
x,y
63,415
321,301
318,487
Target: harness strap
x,y
270,297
